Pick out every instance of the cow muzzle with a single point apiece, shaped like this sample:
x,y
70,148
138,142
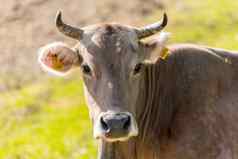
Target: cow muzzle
x,y
112,126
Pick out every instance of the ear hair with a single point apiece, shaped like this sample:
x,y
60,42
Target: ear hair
x,y
163,37
42,53
159,41
154,48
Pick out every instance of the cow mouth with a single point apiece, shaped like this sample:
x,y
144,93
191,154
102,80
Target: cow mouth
x,y
113,127
121,139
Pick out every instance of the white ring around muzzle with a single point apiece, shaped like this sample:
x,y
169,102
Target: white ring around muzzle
x,y
99,132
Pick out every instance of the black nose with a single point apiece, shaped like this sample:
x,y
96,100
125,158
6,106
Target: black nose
x,y
115,125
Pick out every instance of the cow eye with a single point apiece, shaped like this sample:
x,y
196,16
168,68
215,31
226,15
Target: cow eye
x,y
137,68
86,69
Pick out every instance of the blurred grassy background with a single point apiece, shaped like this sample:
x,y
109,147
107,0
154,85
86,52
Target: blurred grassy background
x,y
46,117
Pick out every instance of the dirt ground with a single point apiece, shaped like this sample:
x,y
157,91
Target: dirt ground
x,y
25,25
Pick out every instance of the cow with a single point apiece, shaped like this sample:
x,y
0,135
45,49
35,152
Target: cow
x,y
150,100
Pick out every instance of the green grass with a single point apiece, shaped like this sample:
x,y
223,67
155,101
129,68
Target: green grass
x,y
209,22
49,119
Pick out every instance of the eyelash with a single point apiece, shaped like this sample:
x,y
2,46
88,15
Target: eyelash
x,y
86,69
137,68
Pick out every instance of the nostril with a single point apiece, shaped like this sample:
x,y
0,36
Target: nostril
x,y
115,124
104,124
127,122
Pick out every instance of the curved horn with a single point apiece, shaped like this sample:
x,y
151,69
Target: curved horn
x,y
152,28
66,29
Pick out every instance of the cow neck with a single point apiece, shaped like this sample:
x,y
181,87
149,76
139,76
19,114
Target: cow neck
x,y
153,117
118,150
156,107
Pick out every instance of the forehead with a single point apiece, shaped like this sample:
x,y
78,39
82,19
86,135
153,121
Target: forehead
x,y
110,43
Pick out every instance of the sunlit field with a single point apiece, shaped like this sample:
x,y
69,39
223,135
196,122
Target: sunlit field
x,y
48,118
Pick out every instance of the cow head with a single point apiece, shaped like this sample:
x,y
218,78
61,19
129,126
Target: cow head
x,y
112,58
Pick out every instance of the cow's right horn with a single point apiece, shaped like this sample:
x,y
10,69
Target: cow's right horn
x,y
152,29
66,29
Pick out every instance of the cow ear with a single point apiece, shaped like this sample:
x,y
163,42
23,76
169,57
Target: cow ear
x,y
156,48
58,58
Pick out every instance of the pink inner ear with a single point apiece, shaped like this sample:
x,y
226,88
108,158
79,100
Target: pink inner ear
x,y
47,60
52,61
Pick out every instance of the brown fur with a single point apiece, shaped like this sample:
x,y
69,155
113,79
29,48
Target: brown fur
x,y
191,107
186,106
187,103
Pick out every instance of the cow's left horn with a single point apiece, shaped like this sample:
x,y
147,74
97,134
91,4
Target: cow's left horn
x,y
152,28
66,29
